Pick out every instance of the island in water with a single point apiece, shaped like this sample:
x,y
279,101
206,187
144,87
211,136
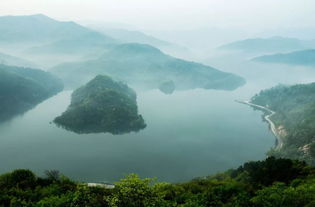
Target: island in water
x,y
167,87
23,88
102,105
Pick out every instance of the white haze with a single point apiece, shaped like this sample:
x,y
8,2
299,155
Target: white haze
x,y
250,15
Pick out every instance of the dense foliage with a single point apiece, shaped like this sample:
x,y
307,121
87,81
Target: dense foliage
x,y
145,66
23,88
295,114
102,105
269,183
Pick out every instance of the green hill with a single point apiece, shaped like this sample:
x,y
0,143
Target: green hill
x,y
146,66
23,88
102,105
294,118
303,57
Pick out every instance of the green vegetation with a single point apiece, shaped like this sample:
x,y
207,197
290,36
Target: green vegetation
x,y
23,88
294,118
269,183
303,57
145,66
102,105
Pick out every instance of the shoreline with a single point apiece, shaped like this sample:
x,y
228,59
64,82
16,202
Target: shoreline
x,y
267,117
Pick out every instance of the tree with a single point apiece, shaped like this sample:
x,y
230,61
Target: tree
x,y
135,192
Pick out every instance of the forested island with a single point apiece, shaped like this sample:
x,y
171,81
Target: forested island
x,y
23,88
102,105
167,87
294,119
269,183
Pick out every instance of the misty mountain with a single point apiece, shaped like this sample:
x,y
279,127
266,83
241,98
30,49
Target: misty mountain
x,y
47,41
273,44
40,28
80,45
6,59
145,66
130,36
23,88
303,57
133,36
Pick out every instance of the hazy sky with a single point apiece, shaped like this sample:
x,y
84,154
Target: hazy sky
x,y
167,14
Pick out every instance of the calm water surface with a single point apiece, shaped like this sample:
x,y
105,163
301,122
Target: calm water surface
x,y
189,134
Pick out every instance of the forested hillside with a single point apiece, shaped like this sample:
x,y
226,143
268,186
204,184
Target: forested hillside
x,y
269,183
294,118
23,88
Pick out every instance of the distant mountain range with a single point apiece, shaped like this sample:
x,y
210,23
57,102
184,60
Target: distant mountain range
x,y
40,35
6,59
131,36
40,29
303,57
90,53
146,66
85,44
274,44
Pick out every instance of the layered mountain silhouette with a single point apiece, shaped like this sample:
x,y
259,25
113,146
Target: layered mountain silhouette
x,y
146,66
